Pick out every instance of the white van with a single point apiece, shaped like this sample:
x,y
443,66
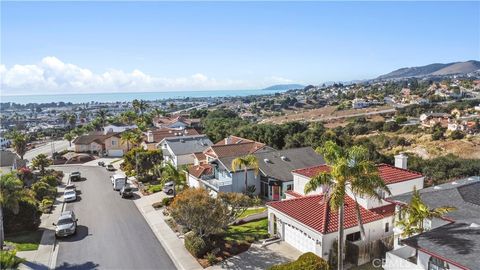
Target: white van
x,y
118,181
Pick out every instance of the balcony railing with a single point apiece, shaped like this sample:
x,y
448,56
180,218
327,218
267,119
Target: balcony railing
x,y
402,258
215,183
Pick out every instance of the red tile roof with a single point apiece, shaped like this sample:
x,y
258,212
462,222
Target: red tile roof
x,y
161,133
199,170
315,213
233,140
389,174
293,193
230,150
200,156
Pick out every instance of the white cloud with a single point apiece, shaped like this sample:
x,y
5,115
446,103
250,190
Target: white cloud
x,y
52,76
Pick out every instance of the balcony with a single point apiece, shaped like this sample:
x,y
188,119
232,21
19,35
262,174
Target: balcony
x,y
217,185
402,258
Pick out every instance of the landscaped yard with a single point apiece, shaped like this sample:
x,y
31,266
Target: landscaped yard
x,y
252,211
255,229
25,241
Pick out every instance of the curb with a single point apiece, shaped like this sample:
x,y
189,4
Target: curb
x,y
54,252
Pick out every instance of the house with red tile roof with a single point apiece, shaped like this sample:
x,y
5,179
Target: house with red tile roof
x,y
151,138
176,121
306,222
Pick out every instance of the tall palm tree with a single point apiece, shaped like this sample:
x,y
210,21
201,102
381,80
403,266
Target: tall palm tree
x,y
245,162
72,120
416,212
19,143
11,191
139,106
349,169
103,115
40,162
171,173
130,137
69,137
64,116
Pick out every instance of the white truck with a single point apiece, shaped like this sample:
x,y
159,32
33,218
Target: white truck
x,y
118,181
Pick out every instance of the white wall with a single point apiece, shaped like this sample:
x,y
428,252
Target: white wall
x,y
192,181
299,182
423,258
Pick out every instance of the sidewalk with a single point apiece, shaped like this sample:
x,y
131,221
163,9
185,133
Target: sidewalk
x,y
173,245
45,256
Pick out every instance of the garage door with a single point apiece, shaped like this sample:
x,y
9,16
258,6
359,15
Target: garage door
x,y
115,153
298,239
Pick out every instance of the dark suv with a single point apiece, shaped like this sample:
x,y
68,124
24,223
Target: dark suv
x,y
75,176
126,192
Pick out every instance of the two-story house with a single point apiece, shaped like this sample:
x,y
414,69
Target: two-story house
x,y
307,222
178,150
152,137
449,242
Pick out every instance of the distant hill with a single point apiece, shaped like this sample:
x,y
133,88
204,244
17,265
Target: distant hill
x,y
434,70
284,87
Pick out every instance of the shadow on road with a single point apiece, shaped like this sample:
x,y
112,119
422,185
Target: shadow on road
x,y
82,232
134,197
34,265
87,265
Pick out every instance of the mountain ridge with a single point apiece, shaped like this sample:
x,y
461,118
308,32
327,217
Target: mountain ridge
x,y
435,69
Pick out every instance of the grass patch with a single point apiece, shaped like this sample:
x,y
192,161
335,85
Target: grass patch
x,y
255,229
115,161
252,211
25,241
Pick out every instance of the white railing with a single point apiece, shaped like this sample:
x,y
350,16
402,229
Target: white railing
x,y
217,183
402,258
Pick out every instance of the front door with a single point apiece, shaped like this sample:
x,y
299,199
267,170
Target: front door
x,y
276,193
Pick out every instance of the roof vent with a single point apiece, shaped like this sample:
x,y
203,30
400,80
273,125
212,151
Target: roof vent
x,y
437,187
284,158
474,225
266,160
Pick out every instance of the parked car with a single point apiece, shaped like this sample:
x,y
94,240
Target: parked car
x,y
66,224
169,188
126,191
110,167
71,187
101,163
70,195
118,181
75,176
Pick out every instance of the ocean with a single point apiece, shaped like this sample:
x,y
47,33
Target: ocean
x,y
121,97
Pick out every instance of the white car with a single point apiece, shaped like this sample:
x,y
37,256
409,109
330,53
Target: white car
x,y
70,196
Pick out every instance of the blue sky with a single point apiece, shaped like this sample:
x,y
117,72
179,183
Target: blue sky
x,y
50,47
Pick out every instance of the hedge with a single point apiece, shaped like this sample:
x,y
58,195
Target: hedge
x,y
195,244
27,219
307,261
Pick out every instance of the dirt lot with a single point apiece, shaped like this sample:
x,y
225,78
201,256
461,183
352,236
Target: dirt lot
x,y
328,113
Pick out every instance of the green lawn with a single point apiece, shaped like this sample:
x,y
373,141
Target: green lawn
x,y
256,229
25,241
252,211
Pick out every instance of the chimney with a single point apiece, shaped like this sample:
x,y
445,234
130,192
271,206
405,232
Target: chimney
x,y
227,140
149,136
401,161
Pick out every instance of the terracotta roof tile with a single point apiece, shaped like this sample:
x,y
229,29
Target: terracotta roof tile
x,y
238,149
315,213
389,174
293,193
199,170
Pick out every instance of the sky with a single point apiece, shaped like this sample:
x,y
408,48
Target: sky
x,y
82,47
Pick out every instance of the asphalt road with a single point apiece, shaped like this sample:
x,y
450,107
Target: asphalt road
x,y
47,149
111,233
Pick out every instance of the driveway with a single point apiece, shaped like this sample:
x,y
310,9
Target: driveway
x,y
258,257
112,234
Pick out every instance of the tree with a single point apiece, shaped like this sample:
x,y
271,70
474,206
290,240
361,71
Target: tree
x,y
11,192
69,137
139,106
130,137
245,162
72,120
349,168
102,115
170,173
195,209
415,212
457,135
19,143
237,203
40,162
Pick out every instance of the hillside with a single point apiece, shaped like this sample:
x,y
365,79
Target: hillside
x,y
436,69
284,87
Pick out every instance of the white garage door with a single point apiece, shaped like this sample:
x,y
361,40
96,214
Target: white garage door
x,y
298,239
115,153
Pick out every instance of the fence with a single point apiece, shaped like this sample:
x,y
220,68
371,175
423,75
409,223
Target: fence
x,y
361,252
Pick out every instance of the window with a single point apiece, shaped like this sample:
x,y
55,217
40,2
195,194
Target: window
x,y
289,187
387,227
353,236
437,264
113,142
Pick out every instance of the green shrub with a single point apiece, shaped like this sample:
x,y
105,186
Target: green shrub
x,y
51,180
195,244
46,205
211,258
157,204
27,219
9,260
166,201
249,239
43,190
307,261
457,135
154,188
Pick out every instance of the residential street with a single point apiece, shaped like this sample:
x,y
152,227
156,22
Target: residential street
x,y
111,233
47,149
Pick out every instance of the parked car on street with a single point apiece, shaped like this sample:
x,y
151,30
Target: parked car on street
x,y
71,187
70,195
66,224
101,163
75,176
169,187
126,191
110,167
118,181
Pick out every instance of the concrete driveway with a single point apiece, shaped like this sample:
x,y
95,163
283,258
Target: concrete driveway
x,y
258,257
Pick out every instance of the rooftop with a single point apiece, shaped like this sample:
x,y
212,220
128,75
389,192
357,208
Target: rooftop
x,y
188,144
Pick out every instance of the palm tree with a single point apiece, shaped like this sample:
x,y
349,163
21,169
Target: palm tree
x,y
158,112
415,212
171,173
349,168
69,137
245,162
72,120
103,115
130,137
11,191
19,143
40,162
